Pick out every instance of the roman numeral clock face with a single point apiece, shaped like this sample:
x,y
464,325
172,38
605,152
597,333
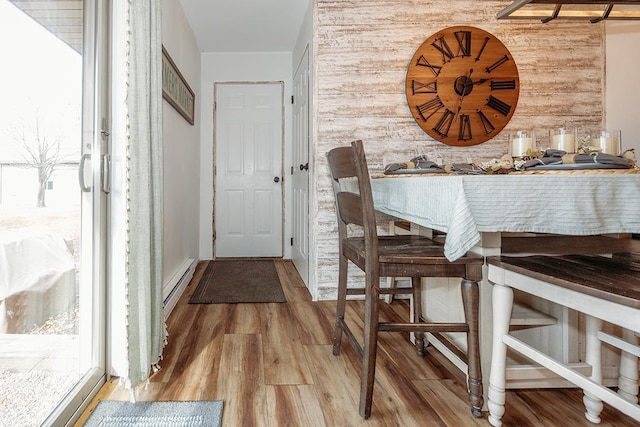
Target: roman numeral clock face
x,y
462,86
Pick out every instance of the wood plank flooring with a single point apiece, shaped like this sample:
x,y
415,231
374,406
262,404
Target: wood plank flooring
x,y
272,365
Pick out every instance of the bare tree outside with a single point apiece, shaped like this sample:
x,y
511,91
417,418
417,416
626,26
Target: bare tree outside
x,y
40,150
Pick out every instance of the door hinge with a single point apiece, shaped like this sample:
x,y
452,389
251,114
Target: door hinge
x,y
292,99
292,241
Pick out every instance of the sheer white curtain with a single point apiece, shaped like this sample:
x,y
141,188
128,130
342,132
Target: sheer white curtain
x,y
145,326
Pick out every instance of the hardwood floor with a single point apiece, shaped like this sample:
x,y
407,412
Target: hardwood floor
x,y
272,365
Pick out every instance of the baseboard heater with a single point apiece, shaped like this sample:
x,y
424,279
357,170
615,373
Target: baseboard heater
x,y
173,290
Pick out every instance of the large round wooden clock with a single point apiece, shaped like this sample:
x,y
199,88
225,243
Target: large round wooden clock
x,y
462,86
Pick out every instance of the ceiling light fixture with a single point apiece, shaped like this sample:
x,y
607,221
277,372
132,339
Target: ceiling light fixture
x,y
594,11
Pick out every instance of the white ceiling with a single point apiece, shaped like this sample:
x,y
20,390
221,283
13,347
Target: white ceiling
x,y
245,25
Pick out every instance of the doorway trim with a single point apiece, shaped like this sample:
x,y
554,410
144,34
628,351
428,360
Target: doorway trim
x,y
284,182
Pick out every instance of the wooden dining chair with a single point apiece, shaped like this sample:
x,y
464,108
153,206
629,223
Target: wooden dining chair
x,y
394,256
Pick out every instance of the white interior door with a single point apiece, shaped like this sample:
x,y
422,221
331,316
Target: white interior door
x,y
248,170
300,170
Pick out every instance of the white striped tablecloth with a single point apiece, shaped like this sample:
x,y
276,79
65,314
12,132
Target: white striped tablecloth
x,y
464,206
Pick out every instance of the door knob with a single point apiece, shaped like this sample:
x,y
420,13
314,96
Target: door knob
x,y
304,167
276,179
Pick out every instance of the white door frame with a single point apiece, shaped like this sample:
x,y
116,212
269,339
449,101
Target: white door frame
x,y
282,156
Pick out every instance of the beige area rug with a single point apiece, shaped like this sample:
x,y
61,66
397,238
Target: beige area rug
x,y
111,413
239,281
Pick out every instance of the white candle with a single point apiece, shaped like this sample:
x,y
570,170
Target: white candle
x,y
606,144
520,146
565,142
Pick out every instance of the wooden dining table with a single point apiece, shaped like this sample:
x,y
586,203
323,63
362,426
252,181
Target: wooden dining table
x,y
476,211
466,206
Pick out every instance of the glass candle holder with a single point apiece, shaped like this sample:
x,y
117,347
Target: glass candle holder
x,y
522,143
563,139
607,141
583,139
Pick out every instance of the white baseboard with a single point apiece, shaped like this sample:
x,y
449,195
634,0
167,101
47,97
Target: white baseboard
x,y
173,290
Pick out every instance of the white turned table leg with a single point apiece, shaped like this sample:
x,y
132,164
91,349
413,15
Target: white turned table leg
x,y
593,357
502,301
628,376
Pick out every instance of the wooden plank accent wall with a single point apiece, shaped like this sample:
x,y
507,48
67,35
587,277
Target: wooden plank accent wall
x,y
362,49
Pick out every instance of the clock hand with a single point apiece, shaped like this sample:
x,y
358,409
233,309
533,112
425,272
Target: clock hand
x,y
468,83
479,82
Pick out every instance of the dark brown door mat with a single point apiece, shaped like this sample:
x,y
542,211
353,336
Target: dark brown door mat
x,y
238,281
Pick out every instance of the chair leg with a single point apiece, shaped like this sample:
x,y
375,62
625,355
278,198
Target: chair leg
x,y
416,284
470,301
391,284
343,265
370,345
391,281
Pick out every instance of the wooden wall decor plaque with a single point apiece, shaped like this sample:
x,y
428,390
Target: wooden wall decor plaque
x,y
176,90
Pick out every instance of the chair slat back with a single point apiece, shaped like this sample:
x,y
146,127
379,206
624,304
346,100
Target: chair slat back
x,y
350,162
350,208
341,163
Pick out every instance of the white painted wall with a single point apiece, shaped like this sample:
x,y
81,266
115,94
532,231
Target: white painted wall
x,y
622,91
238,67
181,148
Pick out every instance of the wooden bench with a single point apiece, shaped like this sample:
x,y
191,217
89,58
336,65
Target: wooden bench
x,y
603,289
